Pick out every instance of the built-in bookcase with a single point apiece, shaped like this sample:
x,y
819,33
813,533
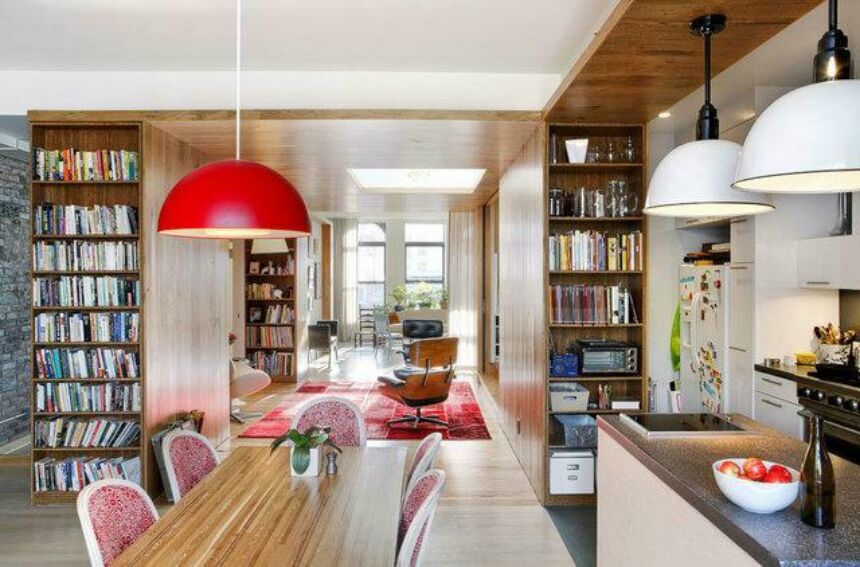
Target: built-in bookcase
x,y
598,274
270,310
87,278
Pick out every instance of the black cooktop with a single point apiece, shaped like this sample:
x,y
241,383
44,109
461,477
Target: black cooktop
x,y
844,380
681,424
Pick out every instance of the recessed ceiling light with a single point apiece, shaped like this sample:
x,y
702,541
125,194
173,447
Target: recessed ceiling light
x,y
664,114
417,180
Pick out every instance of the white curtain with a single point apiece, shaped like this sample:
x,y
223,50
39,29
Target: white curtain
x,y
346,277
464,284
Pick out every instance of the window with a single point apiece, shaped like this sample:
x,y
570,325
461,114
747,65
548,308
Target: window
x,y
425,254
371,264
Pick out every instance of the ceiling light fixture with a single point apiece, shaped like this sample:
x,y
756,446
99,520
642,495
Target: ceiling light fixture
x,y
428,180
664,114
695,179
806,141
234,199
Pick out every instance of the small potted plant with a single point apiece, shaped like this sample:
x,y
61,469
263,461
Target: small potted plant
x,y
400,295
443,299
306,450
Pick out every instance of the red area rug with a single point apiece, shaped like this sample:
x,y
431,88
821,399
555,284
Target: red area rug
x,y
461,411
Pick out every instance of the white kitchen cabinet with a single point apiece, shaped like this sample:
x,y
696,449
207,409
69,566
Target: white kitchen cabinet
x,y
776,386
741,306
740,378
779,414
742,233
829,262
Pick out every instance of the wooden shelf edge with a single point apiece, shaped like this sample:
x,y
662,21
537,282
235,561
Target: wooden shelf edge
x,y
620,378
596,219
596,272
99,380
594,326
86,236
81,182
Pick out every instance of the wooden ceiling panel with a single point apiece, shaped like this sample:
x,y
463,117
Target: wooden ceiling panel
x,y
314,154
644,59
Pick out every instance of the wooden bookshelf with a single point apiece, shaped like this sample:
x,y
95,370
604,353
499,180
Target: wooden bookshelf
x,y
87,137
569,177
286,282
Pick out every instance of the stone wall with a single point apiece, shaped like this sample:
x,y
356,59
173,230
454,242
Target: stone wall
x,y
14,299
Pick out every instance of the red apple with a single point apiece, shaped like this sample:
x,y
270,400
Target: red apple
x,y
777,473
754,468
742,476
730,468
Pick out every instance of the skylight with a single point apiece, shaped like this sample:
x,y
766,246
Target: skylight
x,y
462,181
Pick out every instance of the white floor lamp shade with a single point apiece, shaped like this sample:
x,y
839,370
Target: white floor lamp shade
x,y
695,180
808,141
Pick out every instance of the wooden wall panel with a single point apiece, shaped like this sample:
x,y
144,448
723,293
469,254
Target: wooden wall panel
x,y
302,315
326,267
522,311
188,305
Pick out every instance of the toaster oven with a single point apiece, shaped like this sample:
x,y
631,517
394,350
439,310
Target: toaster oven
x,y
599,356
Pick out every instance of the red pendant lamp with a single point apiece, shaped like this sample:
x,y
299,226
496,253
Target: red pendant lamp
x,y
234,199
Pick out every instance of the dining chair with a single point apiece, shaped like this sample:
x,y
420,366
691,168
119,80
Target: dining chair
x,y
424,458
347,424
113,514
416,516
188,458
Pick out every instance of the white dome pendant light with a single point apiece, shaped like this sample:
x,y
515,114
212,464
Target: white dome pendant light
x,y
695,179
807,141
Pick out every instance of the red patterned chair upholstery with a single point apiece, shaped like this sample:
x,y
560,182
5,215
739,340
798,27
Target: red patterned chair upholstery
x,y
347,424
188,458
113,514
424,458
419,508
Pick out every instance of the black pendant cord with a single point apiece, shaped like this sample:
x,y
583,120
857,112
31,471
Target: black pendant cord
x,y
833,16
708,124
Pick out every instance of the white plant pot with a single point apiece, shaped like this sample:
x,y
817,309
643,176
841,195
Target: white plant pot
x,y
314,467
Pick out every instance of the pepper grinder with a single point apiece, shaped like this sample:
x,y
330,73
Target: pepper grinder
x,y
331,463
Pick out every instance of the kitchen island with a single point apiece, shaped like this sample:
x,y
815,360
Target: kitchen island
x,y
658,503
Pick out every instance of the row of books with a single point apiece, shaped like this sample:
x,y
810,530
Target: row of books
x,y
82,432
265,291
83,165
79,255
73,474
276,337
77,397
273,363
56,219
595,251
86,327
270,268
87,363
86,291
275,315
592,304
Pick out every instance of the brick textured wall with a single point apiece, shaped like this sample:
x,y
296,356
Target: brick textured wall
x,y
14,299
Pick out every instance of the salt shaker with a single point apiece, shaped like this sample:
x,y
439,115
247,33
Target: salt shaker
x,y
331,463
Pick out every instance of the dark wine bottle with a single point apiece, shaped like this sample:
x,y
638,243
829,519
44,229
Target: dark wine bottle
x,y
817,482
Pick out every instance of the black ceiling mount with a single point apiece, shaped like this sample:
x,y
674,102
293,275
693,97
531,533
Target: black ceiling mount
x,y
708,125
833,60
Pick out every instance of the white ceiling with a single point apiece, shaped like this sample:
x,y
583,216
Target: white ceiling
x,y
488,36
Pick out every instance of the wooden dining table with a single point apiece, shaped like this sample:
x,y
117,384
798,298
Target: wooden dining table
x,y
251,511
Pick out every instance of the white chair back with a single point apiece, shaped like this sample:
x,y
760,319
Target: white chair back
x,y
188,457
417,515
112,522
424,458
348,428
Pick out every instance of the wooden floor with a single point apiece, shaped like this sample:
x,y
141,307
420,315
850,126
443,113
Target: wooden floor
x,y
488,514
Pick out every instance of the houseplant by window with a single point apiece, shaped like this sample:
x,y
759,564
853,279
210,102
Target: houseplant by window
x,y
400,296
306,449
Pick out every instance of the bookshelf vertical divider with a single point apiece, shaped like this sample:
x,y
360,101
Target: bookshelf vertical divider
x,y
86,137
560,174
257,309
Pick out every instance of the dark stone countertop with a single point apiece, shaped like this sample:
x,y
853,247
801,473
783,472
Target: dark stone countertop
x,y
684,464
800,374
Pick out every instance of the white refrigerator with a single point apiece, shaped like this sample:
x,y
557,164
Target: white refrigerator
x,y
704,295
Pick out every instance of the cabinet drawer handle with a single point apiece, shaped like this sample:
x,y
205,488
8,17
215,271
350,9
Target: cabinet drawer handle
x,y
770,403
739,349
771,381
817,283
738,267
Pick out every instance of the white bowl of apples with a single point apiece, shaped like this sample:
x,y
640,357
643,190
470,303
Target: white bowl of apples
x,y
757,486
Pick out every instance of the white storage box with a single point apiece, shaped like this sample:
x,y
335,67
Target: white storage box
x,y
568,397
571,472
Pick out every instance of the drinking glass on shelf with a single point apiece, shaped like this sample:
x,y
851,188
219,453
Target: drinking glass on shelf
x,y
615,198
598,204
581,202
556,197
611,152
629,152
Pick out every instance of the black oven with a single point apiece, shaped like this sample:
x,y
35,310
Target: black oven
x,y
841,430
